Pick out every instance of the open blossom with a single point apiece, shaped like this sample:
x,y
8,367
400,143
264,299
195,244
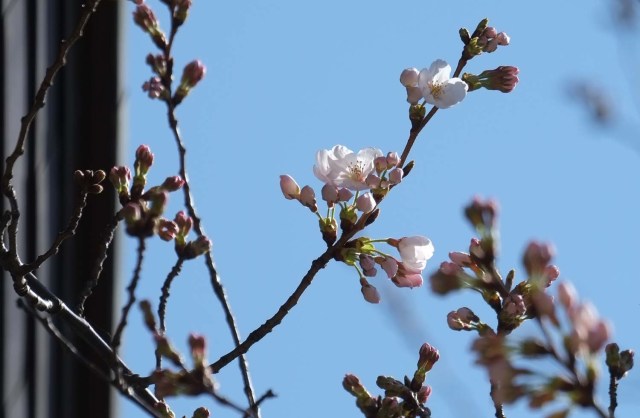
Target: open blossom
x,y
438,88
342,167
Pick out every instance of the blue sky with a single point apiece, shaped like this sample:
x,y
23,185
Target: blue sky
x,y
286,78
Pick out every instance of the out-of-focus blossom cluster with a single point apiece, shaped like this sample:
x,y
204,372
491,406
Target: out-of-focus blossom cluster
x,y
401,399
573,334
354,183
196,381
142,209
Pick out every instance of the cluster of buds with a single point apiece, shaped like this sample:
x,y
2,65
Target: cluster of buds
x,y
401,399
144,17
477,270
158,86
355,183
89,181
167,382
484,39
142,210
576,350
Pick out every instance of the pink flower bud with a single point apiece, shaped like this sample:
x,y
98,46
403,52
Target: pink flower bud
x,y
389,265
373,181
308,198
567,295
491,46
423,394
598,335
365,203
154,88
393,159
380,163
344,195
289,187
167,230
503,38
414,95
429,355
193,73
395,175
490,32
367,262
461,259
184,222
173,183
409,77
131,213
537,257
329,194
370,293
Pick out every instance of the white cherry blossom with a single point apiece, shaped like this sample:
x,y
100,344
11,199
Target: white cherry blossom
x,y
438,88
341,167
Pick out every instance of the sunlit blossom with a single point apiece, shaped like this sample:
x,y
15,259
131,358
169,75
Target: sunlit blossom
x,y
342,167
438,88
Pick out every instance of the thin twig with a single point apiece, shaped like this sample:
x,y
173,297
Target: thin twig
x,y
67,233
7,188
255,336
139,395
613,395
164,297
52,329
115,342
105,242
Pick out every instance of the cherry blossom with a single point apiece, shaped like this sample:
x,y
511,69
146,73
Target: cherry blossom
x,y
342,167
438,88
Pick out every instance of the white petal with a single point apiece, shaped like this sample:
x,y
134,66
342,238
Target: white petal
x,y
453,92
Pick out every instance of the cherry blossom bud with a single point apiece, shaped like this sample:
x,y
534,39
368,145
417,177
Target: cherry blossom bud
x,y
414,95
503,78
409,77
446,278
380,163
329,194
461,259
167,230
365,203
193,249
173,183
551,273
308,198
567,295
395,175
344,195
393,159
407,277
367,262
537,257
154,88
503,38
197,344
482,214
119,177
191,75
598,335
184,223
475,248
373,181
429,355
352,384
462,319
389,265
289,187
619,362
423,394
490,32
491,46
180,10
158,64
369,292
144,17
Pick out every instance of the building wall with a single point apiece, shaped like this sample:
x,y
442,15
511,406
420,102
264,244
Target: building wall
x,y
78,128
